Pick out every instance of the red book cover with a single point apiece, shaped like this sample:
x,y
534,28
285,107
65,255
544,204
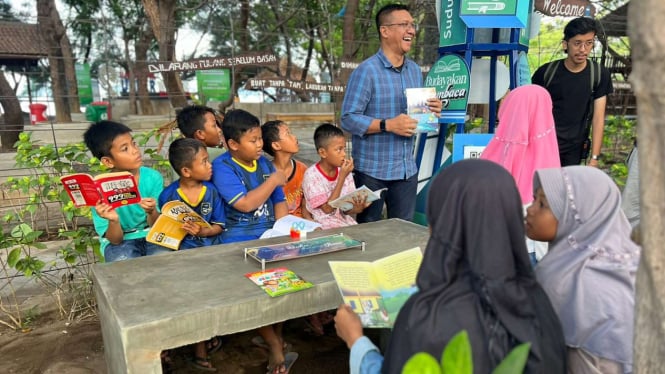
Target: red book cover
x,y
116,189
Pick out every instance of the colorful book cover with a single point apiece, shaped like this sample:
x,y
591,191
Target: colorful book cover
x,y
116,189
377,290
278,281
416,107
167,231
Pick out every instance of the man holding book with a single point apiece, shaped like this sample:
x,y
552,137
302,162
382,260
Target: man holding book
x,y
374,112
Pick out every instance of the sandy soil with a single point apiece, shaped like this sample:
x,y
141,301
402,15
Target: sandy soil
x,y
54,346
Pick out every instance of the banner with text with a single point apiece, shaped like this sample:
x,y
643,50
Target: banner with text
x,y
214,84
207,63
450,77
565,8
84,83
256,84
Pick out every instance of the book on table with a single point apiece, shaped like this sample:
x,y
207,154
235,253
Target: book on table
x,y
377,290
416,108
345,202
288,224
116,189
278,281
167,230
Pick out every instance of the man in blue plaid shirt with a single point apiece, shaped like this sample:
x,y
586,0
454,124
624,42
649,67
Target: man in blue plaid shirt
x,y
374,112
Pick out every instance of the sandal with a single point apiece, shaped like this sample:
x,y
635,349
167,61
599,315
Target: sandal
x,y
283,368
202,364
214,344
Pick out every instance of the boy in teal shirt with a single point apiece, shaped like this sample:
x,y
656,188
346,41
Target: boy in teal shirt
x,y
122,231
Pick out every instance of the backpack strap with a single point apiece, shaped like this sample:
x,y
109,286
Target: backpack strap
x,y
549,72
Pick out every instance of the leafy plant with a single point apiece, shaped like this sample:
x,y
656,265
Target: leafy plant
x,y
457,359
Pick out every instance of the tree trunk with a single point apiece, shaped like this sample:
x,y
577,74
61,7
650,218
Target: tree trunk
x,y
46,14
141,51
70,71
12,123
161,16
648,80
131,79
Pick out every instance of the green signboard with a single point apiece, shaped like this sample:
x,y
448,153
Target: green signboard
x,y
495,13
450,76
453,29
214,84
84,83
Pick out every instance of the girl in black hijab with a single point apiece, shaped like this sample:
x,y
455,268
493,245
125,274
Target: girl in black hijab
x,y
475,276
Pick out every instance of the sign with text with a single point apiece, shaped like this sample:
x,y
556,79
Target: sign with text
x,y
255,84
450,76
352,65
207,63
452,29
84,83
495,13
214,84
565,8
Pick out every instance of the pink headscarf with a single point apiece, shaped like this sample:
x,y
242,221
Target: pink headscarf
x,y
525,139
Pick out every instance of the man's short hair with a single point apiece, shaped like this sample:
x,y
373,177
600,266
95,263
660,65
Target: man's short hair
x,y
579,26
100,135
270,134
384,12
182,153
324,133
192,118
237,122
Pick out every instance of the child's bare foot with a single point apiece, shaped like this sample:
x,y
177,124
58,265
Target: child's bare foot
x,y
282,366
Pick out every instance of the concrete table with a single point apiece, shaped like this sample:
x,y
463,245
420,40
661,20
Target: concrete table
x,y
154,303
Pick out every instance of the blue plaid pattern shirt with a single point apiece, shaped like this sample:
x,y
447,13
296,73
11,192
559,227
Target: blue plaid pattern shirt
x,y
375,90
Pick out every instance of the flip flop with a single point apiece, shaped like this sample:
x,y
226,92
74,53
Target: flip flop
x,y
214,344
201,364
289,359
259,342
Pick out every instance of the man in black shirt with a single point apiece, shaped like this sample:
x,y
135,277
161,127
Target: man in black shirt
x,y
579,94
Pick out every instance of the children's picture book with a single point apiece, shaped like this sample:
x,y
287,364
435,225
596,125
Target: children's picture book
x,y
279,281
167,231
346,202
377,290
288,224
116,189
416,107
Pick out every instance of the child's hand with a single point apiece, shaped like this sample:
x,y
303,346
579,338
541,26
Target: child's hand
x,y
347,167
280,177
106,211
359,204
192,228
347,325
148,205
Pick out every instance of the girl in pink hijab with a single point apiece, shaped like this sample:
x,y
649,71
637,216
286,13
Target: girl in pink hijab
x,y
524,141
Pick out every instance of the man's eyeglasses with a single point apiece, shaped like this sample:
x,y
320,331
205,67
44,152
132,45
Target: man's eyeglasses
x,y
577,44
404,25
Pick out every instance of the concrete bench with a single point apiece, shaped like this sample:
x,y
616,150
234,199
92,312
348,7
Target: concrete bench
x,y
150,304
314,118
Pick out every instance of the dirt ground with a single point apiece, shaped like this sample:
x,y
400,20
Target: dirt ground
x,y
55,346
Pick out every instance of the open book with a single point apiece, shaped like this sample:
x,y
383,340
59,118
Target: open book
x,y
377,290
116,189
279,281
346,202
167,231
416,108
287,224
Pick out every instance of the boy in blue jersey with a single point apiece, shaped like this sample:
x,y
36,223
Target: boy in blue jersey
x,y
122,231
202,123
250,186
189,158
253,198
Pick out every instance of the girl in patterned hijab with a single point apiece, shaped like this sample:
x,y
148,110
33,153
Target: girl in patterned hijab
x,y
589,271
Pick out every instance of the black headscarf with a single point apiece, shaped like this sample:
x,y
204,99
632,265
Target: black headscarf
x,y
476,276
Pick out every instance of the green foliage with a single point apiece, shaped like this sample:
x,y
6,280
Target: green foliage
x,y
618,141
457,359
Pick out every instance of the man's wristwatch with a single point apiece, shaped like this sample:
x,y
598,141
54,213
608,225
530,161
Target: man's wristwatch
x,y
382,125
595,157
